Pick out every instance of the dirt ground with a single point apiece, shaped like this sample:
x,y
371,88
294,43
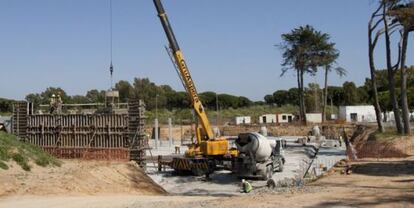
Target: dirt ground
x,y
373,183
76,177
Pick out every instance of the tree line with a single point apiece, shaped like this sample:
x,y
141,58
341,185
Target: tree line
x,y
161,96
306,51
347,94
6,105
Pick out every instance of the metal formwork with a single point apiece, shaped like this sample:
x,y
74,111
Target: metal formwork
x,y
78,133
21,112
102,131
94,136
138,139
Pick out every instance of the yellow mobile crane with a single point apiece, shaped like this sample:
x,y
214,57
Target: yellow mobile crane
x,y
208,151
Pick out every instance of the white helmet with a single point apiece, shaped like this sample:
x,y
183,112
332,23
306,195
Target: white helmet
x,y
53,95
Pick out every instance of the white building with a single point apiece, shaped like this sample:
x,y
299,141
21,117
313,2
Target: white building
x,y
360,113
314,117
285,118
243,120
268,118
390,116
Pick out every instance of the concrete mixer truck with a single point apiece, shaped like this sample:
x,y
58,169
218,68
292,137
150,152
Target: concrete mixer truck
x,y
258,156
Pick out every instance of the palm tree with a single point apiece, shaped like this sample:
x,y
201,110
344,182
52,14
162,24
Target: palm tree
x,y
304,49
328,68
327,59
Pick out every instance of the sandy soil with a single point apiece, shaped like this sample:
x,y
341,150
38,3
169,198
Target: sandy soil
x,y
76,177
392,147
373,183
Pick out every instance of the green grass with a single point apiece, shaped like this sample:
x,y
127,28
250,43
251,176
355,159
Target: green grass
x,y
3,165
22,153
22,161
389,135
5,113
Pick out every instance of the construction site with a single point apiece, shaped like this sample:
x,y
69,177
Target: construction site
x,y
136,150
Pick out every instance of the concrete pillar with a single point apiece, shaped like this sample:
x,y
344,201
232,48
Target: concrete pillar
x,y
263,130
170,139
156,133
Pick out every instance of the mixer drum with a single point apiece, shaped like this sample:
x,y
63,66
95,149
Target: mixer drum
x,y
254,144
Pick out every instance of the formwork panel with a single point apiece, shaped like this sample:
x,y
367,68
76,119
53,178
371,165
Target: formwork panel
x,y
76,135
99,136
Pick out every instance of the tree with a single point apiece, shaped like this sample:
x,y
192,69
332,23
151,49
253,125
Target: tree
x,y
281,97
384,100
313,97
372,42
6,105
302,50
125,90
336,94
228,101
269,99
328,58
364,97
95,96
146,90
259,103
351,96
208,99
78,99
293,97
389,29
404,15
328,68
244,102
178,100
34,98
57,91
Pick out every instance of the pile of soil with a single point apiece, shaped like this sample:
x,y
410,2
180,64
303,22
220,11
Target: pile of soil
x,y
76,177
368,145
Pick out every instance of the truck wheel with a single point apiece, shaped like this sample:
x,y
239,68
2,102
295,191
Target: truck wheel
x,y
198,171
269,172
280,168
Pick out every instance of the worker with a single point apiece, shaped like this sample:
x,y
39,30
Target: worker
x,y
348,168
177,149
59,104
52,104
247,187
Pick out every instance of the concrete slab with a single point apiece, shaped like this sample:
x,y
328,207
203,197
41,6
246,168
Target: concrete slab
x,y
223,183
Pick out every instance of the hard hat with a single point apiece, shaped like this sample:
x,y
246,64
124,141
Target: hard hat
x,y
53,95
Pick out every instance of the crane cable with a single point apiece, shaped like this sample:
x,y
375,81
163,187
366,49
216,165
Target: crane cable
x,y
174,63
111,67
169,52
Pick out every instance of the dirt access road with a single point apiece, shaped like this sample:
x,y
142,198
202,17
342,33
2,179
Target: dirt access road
x,y
373,183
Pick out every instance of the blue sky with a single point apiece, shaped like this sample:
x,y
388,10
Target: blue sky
x,y
229,45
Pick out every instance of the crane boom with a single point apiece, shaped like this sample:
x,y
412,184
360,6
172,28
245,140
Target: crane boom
x,y
185,73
